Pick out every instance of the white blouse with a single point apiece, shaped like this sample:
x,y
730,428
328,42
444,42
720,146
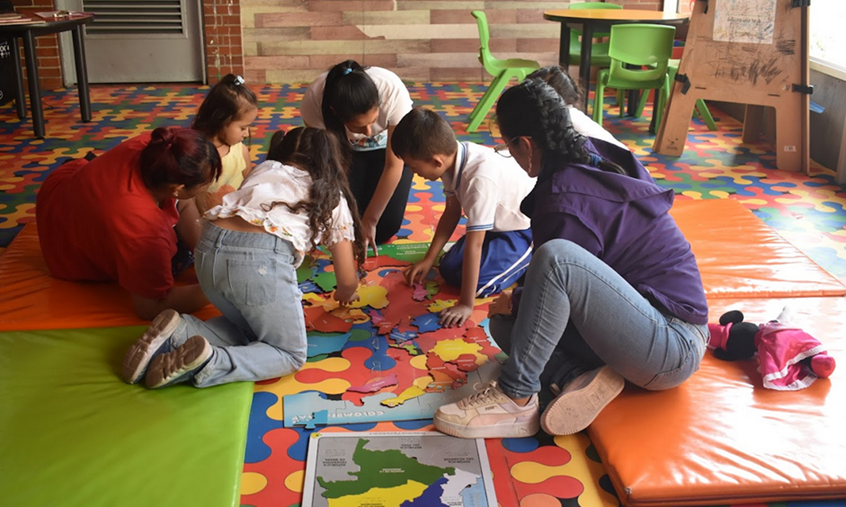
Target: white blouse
x,y
271,182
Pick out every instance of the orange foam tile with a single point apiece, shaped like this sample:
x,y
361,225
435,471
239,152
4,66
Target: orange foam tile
x,y
740,256
722,438
31,299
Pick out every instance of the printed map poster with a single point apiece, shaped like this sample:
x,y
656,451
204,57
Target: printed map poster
x,y
745,21
401,469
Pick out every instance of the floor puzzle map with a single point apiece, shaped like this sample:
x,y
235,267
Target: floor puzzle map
x,y
401,364
424,469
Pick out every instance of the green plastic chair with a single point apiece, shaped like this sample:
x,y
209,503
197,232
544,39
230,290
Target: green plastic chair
x,y
639,46
598,50
502,71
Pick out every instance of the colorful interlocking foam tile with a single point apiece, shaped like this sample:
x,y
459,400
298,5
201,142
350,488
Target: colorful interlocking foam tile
x,y
389,348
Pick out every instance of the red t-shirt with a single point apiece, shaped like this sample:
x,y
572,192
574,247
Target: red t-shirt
x,y
97,221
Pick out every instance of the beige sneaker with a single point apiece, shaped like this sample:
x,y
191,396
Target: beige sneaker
x,y
488,414
155,341
581,401
180,365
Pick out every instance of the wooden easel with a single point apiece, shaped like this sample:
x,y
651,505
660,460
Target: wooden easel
x,y
725,66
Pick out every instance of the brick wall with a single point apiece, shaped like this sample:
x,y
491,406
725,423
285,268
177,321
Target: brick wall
x,y
222,31
46,47
294,40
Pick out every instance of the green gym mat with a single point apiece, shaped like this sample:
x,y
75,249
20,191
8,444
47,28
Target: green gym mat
x,y
73,433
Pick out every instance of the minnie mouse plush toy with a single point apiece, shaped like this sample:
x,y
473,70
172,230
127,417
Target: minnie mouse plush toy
x,y
789,359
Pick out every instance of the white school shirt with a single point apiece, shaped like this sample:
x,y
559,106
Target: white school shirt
x,y
394,103
584,125
273,181
489,187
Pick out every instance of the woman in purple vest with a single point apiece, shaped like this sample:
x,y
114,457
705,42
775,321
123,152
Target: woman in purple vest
x,y
612,294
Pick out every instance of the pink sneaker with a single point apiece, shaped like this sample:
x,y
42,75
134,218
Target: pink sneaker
x,y
488,414
581,401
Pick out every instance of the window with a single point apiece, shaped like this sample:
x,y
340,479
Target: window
x,y
828,36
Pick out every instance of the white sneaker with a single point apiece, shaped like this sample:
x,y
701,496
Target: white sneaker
x,y
488,414
581,401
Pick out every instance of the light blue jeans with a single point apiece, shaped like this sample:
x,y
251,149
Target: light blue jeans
x,y
250,277
577,314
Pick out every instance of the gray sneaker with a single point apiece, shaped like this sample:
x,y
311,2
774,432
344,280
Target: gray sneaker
x,y
581,401
180,365
156,340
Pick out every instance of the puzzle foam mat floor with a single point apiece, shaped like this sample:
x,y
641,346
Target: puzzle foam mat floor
x,y
806,210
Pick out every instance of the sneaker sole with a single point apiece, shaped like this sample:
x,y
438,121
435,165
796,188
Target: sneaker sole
x,y
187,357
574,411
138,356
517,430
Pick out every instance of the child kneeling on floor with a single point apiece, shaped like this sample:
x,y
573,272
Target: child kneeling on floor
x,y
485,184
246,262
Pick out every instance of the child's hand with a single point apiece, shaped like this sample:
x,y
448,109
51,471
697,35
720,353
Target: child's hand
x,y
345,298
500,305
368,230
418,271
455,316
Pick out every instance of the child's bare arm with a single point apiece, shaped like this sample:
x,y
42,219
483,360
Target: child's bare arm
x,y
472,261
249,162
346,273
446,225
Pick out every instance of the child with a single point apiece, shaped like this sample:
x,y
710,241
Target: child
x,y
224,117
363,105
489,187
246,262
558,78
112,218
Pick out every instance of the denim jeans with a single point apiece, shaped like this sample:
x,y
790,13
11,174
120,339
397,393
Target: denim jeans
x,y
250,277
576,314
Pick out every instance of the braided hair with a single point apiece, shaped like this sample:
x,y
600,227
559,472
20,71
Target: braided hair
x,y
534,109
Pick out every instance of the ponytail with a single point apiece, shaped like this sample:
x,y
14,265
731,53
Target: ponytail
x,y
179,156
228,100
562,82
534,109
348,92
320,154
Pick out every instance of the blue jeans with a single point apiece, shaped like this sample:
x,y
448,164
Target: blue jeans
x,y
250,277
576,314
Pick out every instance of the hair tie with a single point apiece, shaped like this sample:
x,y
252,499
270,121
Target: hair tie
x,y
238,81
347,70
595,159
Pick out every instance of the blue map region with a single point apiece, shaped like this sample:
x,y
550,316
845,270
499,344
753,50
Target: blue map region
x,y
431,496
474,496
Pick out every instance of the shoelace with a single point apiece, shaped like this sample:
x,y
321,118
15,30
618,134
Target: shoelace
x,y
488,393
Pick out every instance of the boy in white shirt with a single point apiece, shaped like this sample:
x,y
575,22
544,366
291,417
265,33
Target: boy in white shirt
x,y
488,187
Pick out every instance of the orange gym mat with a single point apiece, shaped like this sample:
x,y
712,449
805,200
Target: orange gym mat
x,y
721,438
739,256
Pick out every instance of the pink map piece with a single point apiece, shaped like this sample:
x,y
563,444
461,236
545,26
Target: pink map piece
x,y
373,385
419,292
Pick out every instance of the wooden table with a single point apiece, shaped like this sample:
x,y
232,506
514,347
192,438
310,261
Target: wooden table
x,y
38,26
593,20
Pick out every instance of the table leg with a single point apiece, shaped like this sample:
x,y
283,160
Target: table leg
x,y
584,66
34,85
20,96
81,74
564,46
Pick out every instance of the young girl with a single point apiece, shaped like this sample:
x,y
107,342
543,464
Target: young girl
x,y
113,218
612,293
557,77
224,117
364,105
246,262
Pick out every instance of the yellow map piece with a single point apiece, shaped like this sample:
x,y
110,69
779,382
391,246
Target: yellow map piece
x,y
441,304
411,392
384,497
374,296
449,350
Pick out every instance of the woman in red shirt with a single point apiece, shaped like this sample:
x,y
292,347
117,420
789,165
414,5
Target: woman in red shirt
x,y
113,218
